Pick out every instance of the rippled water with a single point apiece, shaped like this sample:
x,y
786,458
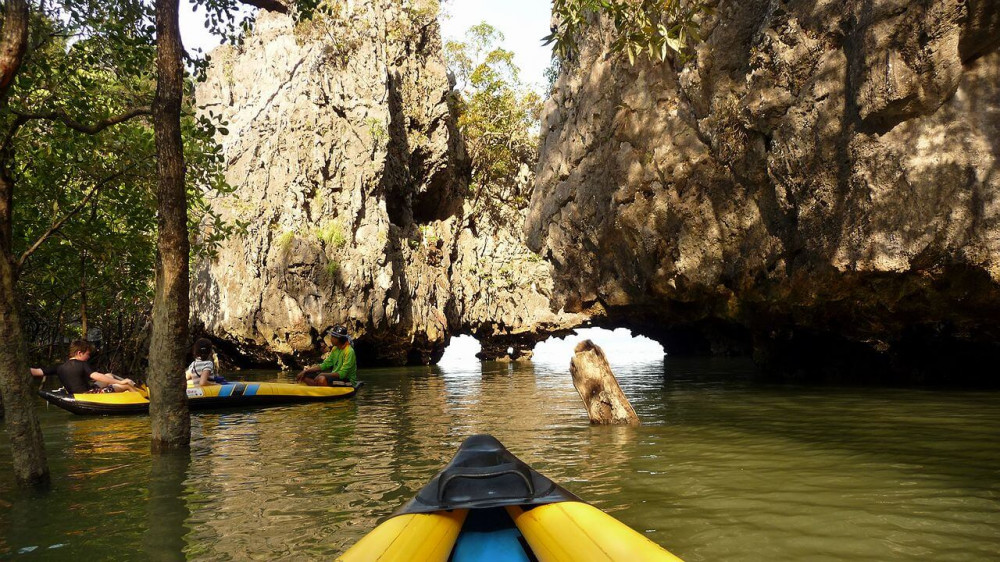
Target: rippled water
x,y
723,468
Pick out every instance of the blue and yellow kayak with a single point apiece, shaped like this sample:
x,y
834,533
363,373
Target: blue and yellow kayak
x,y
488,505
200,397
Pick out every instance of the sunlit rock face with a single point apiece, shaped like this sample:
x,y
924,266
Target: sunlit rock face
x,y
352,181
819,183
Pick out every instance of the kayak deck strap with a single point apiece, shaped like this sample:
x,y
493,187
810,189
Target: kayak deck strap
x,y
484,472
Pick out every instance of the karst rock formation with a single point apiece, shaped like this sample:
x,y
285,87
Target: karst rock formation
x,y
818,184
351,181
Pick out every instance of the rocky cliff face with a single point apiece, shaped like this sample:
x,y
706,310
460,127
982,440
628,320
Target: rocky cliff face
x,y
820,184
352,180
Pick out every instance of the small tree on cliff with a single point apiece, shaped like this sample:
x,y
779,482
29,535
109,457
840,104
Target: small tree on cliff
x,y
498,117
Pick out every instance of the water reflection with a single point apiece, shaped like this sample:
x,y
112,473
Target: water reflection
x,y
723,467
166,508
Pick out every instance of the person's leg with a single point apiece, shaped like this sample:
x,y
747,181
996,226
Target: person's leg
x,y
330,380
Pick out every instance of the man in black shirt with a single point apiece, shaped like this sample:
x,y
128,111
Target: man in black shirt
x,y
78,377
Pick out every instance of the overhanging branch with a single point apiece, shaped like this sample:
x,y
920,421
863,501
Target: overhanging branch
x,y
269,5
58,224
9,137
72,123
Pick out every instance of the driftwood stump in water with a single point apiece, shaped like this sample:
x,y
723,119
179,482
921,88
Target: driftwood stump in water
x,y
597,385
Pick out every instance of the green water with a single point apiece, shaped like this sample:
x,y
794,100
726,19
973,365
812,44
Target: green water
x,y
722,469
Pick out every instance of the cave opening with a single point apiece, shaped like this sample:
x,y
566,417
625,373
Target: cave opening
x,y
461,350
620,345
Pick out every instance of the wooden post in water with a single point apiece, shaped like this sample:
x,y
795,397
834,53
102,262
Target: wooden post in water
x,y
597,385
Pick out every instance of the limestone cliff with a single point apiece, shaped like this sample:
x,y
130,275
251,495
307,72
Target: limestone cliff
x,y
819,183
352,180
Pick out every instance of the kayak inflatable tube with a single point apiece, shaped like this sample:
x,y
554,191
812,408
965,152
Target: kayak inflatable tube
x,y
230,395
489,505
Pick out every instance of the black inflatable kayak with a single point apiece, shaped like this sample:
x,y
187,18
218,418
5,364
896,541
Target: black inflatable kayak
x,y
489,505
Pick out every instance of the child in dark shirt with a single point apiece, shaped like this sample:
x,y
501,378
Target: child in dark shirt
x,y
78,377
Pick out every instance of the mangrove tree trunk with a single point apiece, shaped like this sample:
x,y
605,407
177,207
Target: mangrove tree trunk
x,y
26,444
168,408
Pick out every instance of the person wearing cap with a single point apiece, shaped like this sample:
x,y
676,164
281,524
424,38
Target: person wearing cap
x,y
339,368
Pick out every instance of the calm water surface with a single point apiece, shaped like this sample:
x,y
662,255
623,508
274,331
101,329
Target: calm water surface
x,y
723,468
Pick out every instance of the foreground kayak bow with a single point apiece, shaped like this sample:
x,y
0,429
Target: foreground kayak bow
x,y
489,505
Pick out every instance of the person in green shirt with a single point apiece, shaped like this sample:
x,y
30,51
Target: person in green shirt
x,y
340,368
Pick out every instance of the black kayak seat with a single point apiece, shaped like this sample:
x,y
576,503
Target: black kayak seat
x,y
485,474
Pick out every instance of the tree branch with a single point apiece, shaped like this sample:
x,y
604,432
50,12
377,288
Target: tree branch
x,y
14,128
83,127
58,224
269,5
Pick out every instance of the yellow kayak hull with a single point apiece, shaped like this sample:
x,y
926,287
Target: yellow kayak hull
x,y
428,537
487,504
569,531
235,394
558,532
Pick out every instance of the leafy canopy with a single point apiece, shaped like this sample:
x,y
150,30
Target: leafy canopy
x,y
644,28
84,214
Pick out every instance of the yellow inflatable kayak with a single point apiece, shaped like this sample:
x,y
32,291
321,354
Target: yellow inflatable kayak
x,y
488,505
200,397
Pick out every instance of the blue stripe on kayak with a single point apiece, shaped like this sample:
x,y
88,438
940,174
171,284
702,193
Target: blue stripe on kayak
x,y
489,534
226,390
251,390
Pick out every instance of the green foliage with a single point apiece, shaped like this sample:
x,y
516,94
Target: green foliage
x,y
644,28
422,12
83,218
428,234
284,241
337,30
332,268
85,210
332,234
379,133
498,116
